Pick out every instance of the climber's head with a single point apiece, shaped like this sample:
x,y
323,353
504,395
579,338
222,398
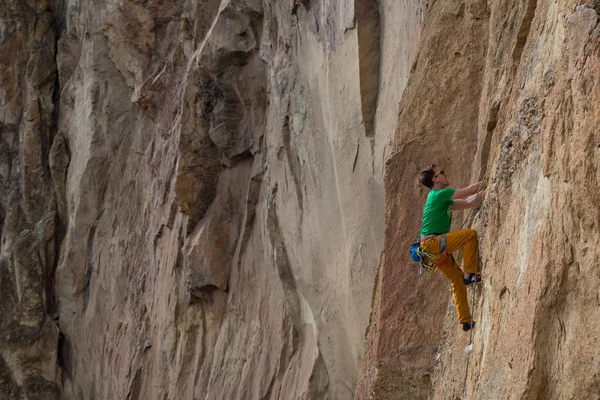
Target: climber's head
x,y
434,177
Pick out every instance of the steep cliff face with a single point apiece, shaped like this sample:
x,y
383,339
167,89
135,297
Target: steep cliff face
x,y
192,200
32,157
193,197
505,91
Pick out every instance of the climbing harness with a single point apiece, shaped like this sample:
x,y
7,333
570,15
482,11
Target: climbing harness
x,y
424,258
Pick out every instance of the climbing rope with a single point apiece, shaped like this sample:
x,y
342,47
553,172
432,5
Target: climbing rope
x,y
464,394
474,202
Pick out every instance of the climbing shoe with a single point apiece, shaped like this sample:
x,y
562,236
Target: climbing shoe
x,y
468,325
473,278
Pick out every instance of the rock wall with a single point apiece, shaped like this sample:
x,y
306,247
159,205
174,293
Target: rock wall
x,y
506,91
193,197
192,201
33,159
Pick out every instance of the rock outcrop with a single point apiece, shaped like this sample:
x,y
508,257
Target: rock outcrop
x,y
194,203
192,200
505,91
32,159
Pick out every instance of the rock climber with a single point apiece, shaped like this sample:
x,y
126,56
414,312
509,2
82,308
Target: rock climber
x,y
435,232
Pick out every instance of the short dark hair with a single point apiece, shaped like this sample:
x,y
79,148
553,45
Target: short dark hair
x,y
427,176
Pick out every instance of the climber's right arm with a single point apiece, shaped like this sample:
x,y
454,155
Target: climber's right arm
x,y
468,191
461,205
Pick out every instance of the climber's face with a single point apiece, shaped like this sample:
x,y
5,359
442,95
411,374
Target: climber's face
x,y
440,178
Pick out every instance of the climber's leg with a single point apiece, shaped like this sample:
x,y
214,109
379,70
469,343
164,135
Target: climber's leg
x,y
467,239
459,290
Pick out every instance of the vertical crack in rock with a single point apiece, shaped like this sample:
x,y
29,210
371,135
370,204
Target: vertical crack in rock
x,y
90,261
523,33
490,126
136,386
58,163
282,263
28,211
369,52
293,162
252,199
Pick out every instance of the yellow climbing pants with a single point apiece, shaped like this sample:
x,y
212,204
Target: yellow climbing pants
x,y
467,239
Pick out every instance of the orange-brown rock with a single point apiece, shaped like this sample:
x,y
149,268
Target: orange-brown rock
x,y
503,91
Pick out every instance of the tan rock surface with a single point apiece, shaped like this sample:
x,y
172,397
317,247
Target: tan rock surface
x,y
193,194
505,90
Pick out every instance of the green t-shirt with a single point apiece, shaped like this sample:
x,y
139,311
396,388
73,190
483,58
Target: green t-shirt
x,y
437,216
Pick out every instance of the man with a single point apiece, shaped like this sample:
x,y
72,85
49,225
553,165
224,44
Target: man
x,y
437,218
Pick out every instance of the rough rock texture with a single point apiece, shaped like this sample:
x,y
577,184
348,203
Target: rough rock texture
x,y
30,226
193,197
192,193
506,90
